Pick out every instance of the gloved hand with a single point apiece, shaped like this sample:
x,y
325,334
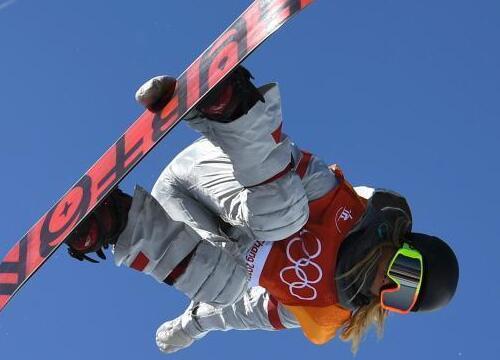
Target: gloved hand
x,y
154,94
178,334
229,100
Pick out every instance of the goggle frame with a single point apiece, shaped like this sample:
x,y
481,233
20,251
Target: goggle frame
x,y
410,253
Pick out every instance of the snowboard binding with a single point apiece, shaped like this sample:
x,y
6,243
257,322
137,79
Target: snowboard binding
x,y
101,228
232,98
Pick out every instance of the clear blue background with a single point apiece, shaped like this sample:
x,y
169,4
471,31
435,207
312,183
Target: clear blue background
x,y
402,94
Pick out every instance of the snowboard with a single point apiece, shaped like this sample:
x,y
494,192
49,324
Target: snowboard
x,y
260,20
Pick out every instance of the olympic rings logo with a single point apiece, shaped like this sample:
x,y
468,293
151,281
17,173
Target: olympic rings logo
x,y
302,284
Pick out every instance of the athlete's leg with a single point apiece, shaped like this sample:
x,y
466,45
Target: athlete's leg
x,y
160,241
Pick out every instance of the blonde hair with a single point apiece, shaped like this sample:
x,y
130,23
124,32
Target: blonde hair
x,y
365,316
373,313
359,323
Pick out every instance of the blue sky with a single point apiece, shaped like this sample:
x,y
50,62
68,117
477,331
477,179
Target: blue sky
x,y
402,94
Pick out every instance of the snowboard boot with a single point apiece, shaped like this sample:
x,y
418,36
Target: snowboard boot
x,y
101,228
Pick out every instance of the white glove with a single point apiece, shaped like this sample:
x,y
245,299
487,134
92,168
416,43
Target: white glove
x,y
179,333
154,94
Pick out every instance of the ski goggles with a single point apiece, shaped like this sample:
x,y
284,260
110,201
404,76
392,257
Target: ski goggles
x,y
406,271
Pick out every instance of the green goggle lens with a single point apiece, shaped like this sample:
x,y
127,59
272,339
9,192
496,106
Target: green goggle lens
x,y
406,271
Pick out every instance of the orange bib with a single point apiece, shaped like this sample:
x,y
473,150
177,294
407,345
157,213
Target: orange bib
x,y
300,271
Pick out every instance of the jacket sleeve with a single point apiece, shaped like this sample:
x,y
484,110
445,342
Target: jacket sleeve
x,y
255,310
317,178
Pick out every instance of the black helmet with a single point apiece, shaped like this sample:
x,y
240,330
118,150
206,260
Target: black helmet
x,y
440,276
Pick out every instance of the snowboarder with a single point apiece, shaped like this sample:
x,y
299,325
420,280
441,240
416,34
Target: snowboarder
x,y
260,234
